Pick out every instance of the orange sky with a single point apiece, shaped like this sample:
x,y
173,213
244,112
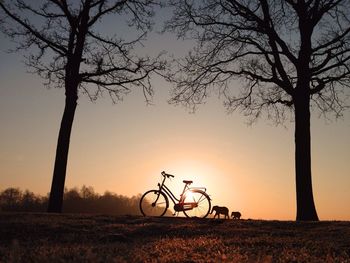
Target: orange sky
x,y
124,147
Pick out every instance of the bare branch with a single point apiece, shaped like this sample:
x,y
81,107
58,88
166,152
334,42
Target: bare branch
x,y
32,30
103,11
289,45
79,54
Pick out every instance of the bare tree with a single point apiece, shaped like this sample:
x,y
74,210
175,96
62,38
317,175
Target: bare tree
x,y
67,50
291,55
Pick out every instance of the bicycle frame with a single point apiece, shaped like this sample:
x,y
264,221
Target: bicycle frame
x,y
167,191
179,204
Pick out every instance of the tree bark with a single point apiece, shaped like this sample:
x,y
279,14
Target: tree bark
x,y
59,174
72,80
306,210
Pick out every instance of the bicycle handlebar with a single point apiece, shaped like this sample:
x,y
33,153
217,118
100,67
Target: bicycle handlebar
x,y
167,175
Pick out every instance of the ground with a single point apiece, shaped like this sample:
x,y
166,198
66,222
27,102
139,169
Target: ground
x,y
28,237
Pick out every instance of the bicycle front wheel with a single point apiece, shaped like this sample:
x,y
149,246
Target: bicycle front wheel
x,y
154,203
202,201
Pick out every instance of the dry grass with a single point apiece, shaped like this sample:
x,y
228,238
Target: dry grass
x,y
103,238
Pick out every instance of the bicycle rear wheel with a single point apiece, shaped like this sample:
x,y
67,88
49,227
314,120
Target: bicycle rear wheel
x,y
203,206
154,203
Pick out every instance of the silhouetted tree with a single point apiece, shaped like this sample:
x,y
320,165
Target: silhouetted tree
x,y
11,197
87,192
291,55
67,50
83,200
29,202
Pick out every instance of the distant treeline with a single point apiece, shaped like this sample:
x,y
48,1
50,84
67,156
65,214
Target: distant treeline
x,y
83,200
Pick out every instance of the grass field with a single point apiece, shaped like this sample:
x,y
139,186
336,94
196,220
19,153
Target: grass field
x,y
27,237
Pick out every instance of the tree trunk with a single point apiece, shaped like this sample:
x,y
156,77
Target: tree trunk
x,y
59,174
306,210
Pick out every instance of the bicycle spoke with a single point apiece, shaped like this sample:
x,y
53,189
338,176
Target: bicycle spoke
x,y
203,204
154,203
202,198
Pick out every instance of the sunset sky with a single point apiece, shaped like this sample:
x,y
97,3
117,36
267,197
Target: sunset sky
x,y
124,147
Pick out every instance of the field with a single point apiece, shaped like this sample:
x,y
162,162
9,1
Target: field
x,y
28,237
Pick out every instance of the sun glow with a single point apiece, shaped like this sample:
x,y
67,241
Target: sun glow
x,y
199,172
189,197
207,173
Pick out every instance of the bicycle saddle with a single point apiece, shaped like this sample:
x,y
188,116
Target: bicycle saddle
x,y
187,182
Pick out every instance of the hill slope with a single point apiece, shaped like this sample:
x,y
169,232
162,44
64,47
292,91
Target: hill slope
x,y
26,237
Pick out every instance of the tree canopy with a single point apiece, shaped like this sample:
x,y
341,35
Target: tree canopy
x,y
268,45
53,32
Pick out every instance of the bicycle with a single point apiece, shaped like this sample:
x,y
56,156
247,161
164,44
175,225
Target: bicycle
x,y
193,201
